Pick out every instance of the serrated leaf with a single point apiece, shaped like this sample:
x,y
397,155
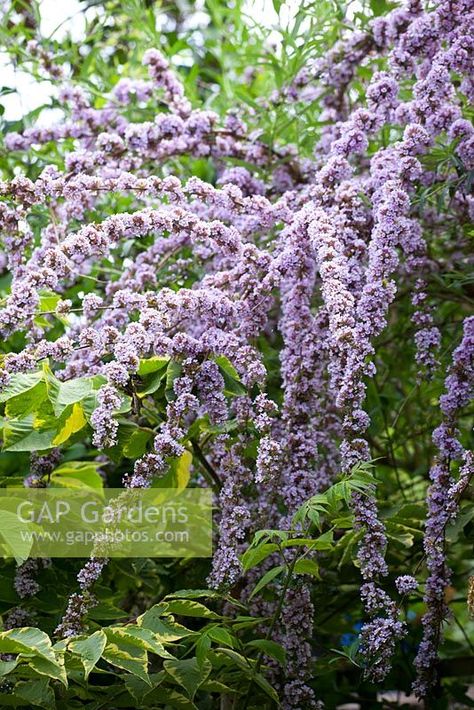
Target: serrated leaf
x,y
20,406
21,435
29,641
188,673
70,392
254,555
89,650
127,653
146,638
20,383
220,635
165,628
266,579
37,692
48,668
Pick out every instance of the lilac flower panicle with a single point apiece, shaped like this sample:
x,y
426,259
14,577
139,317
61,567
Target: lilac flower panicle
x,y
406,584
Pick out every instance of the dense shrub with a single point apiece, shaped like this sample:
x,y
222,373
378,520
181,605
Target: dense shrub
x,y
250,263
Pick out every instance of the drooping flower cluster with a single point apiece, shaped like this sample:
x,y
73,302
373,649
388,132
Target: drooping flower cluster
x,y
443,499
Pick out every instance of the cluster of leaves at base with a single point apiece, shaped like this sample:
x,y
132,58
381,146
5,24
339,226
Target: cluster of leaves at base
x,y
180,652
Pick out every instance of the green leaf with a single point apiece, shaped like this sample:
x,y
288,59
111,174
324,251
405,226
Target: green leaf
x,y
131,441
126,652
169,697
89,650
188,674
73,422
136,445
173,371
7,592
196,594
165,629
401,533
270,648
52,382
454,529
71,392
36,692
307,566
323,542
378,7
48,301
7,667
202,648
152,372
226,366
266,579
179,474
232,384
28,641
254,555
215,686
47,668
246,622
138,689
241,662
20,435
150,383
235,658
152,364
77,474
220,635
20,383
347,543
187,607
267,688
26,403
15,544
106,611
146,638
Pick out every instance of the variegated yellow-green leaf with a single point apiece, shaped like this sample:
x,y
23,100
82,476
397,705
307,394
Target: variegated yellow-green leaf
x,y
74,422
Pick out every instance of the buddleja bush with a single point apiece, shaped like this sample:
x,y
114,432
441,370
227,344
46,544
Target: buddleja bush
x,y
245,267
